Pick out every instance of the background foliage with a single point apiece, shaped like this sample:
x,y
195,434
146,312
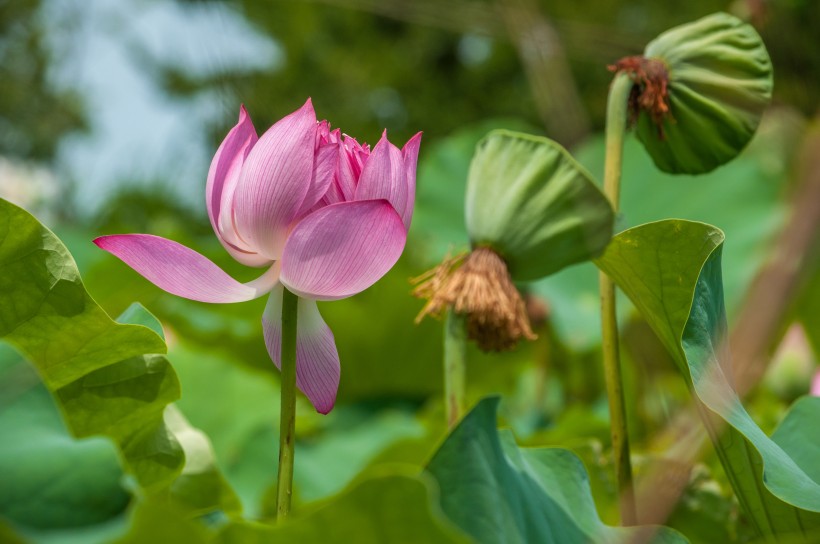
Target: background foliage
x,y
454,69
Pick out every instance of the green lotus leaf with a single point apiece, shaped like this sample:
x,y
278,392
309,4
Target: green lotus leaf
x,y
498,492
720,81
672,273
50,481
106,377
532,203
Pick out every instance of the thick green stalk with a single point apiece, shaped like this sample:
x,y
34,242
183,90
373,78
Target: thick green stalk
x,y
287,416
455,347
616,117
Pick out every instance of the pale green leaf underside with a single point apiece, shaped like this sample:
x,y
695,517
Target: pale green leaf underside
x,y
529,200
201,487
498,492
671,271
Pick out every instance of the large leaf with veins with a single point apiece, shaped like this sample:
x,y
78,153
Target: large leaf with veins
x,y
107,378
672,272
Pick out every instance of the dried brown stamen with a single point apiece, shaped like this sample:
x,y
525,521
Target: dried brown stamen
x,y
651,90
478,286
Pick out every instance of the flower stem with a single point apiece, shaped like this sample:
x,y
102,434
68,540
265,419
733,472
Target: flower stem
x,y
287,416
616,117
455,347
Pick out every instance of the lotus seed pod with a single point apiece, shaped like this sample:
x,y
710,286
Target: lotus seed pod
x,y
530,202
719,80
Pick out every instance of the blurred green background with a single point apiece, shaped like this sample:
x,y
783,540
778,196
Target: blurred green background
x,y
110,113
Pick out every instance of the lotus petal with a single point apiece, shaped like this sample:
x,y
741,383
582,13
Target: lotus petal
x,y
182,271
317,361
384,176
342,249
275,180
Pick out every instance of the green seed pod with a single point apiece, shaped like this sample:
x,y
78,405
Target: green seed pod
x,y
533,204
719,79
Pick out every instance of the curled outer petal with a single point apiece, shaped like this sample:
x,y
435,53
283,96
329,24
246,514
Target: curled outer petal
x,y
182,271
223,176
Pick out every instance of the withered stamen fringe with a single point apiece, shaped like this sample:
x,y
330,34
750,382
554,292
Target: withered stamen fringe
x,y
478,286
651,90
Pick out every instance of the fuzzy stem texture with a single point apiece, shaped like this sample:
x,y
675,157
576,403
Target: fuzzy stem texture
x,y
455,348
287,416
616,120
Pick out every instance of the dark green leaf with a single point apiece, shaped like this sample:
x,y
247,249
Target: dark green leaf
x,y
498,492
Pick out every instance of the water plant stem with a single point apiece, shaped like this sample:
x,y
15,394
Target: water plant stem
x,y
455,347
287,416
616,119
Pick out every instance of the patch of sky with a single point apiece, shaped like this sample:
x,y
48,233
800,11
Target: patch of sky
x,y
109,53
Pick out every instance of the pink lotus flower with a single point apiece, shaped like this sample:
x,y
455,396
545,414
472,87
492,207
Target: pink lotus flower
x,y
815,385
327,216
